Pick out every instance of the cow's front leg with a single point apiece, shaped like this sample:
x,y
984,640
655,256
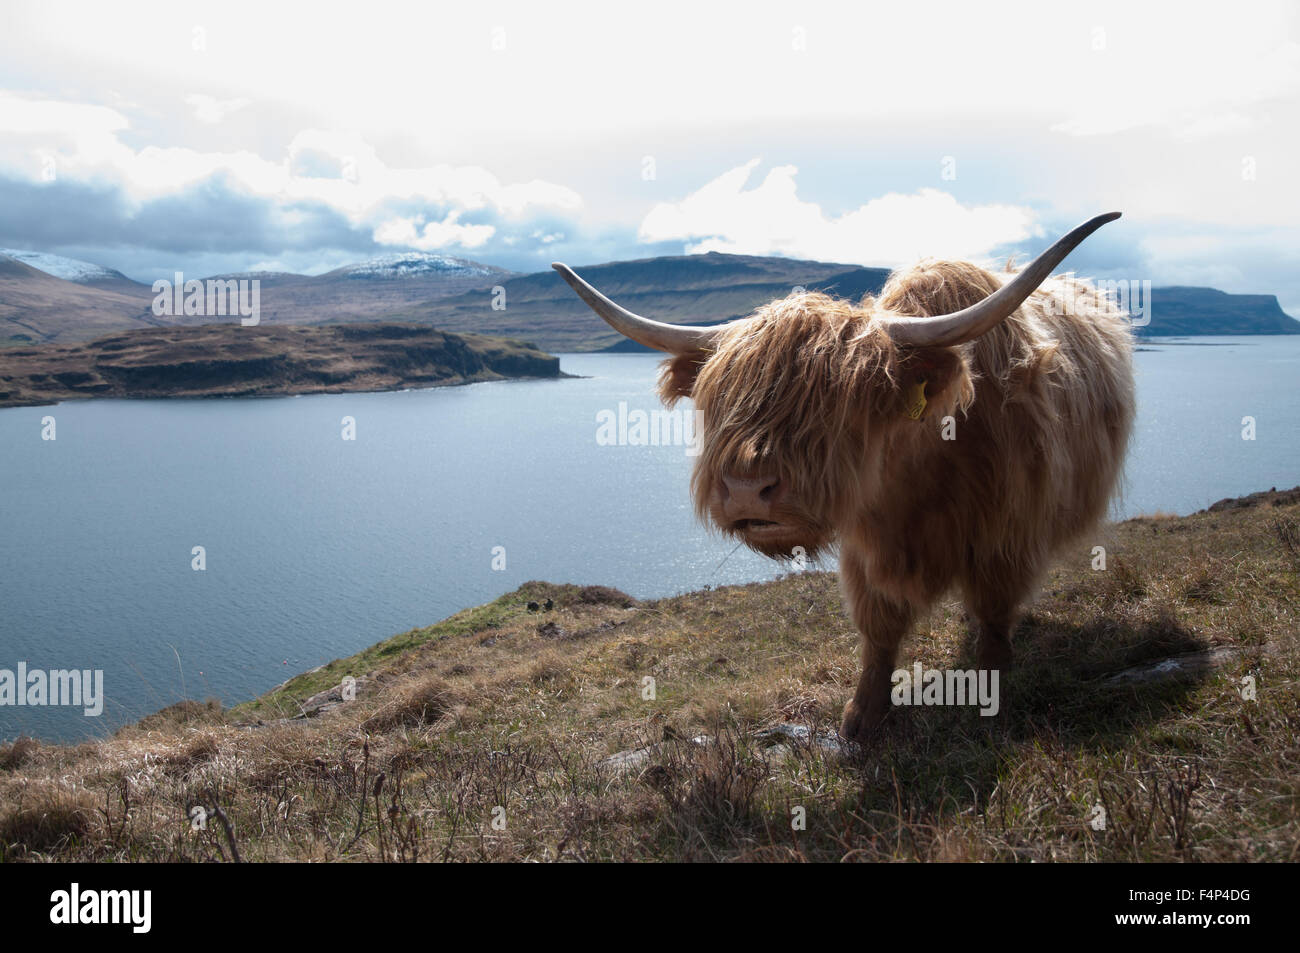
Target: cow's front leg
x,y
882,624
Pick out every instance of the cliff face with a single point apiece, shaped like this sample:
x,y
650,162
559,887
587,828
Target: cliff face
x,y
1178,311
234,361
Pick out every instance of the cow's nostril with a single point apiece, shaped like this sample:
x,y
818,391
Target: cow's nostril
x,y
750,491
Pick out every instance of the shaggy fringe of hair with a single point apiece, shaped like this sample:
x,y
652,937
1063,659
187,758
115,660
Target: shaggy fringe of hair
x,y
802,353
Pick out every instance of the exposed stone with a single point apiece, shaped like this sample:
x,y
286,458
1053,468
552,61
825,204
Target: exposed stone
x,y
330,698
789,736
779,741
1179,666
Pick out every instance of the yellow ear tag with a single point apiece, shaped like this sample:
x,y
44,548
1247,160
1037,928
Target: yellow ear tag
x,y
916,401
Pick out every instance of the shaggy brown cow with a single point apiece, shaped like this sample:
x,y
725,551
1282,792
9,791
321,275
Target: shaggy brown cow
x,y
824,424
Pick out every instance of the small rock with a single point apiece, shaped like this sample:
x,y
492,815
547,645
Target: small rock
x,y
1180,666
329,699
789,734
625,761
634,759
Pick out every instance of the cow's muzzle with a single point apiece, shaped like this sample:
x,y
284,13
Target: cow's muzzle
x,y
748,503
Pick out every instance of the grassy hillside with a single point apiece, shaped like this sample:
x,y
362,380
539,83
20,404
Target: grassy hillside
x,y
538,718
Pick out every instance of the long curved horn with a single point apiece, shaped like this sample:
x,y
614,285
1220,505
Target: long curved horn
x,y
969,323
672,338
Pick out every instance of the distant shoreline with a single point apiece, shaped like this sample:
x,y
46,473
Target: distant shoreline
x,y
270,361
301,360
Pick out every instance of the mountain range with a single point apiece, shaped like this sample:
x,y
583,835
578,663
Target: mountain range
x,y
51,299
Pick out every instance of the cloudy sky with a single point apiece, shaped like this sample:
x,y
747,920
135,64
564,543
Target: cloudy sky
x,y
228,137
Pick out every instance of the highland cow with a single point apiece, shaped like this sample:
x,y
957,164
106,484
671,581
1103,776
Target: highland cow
x,y
958,430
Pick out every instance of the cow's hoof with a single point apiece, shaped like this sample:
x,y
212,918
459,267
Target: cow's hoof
x,y
994,657
860,723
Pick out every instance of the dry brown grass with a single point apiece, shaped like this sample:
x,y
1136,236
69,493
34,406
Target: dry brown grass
x,y
13,755
483,737
47,817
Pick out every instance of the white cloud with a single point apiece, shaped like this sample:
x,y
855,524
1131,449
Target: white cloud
x,y
432,236
209,109
771,219
38,132
1112,64
1174,73
340,170
19,116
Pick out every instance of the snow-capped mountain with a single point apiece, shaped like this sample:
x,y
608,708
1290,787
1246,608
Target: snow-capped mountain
x,y
263,276
416,264
69,269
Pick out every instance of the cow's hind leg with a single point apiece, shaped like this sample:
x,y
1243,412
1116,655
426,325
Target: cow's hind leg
x,y
882,624
993,594
993,642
